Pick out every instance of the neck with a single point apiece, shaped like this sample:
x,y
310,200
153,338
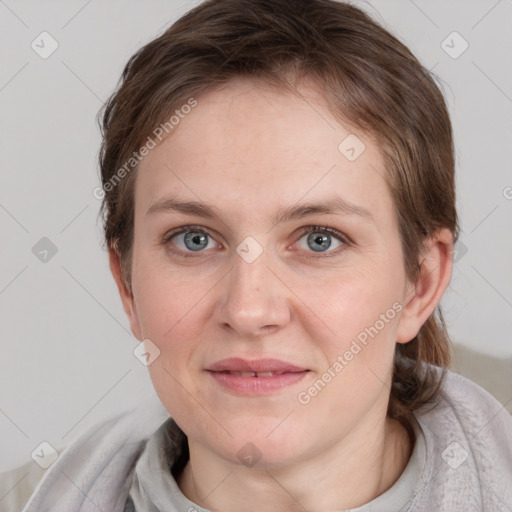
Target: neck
x,y
347,475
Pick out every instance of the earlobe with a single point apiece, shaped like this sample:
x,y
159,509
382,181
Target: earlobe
x,y
125,294
424,295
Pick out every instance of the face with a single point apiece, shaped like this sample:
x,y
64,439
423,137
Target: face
x,y
276,322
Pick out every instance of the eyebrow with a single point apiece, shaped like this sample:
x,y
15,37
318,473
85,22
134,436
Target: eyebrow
x,y
335,205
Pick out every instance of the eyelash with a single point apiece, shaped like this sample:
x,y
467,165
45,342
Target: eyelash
x,y
344,239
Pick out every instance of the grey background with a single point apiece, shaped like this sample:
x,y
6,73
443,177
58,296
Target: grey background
x,y
66,347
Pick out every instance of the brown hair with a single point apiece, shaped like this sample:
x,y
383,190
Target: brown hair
x,y
370,80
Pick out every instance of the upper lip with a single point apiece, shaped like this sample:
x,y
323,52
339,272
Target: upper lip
x,y
236,364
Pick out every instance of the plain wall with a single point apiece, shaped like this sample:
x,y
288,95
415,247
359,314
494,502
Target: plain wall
x,y
66,348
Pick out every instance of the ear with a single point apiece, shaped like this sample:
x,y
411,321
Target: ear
x,y
126,295
423,296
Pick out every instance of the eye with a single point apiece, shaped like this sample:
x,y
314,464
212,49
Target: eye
x,y
190,239
194,239
321,238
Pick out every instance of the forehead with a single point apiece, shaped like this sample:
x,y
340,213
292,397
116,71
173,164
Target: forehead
x,y
250,148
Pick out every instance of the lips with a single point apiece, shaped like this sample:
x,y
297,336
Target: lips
x,y
258,377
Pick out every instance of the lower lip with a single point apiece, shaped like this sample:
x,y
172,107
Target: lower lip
x,y
257,385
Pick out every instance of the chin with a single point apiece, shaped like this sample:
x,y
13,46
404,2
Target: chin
x,y
254,449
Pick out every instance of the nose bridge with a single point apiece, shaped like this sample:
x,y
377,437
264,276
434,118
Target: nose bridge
x,y
254,299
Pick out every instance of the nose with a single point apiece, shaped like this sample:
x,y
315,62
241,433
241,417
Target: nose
x,y
254,300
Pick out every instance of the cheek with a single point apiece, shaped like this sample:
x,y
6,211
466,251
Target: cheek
x,y
169,311
363,316
355,301
166,302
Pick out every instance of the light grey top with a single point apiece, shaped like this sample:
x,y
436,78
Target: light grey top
x,y
462,461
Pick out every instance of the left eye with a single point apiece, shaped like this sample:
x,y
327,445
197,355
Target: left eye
x,y
320,239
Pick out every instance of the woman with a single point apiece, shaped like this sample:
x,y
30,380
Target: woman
x,y
279,211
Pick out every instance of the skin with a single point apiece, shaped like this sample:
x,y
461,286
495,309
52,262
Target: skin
x,y
250,150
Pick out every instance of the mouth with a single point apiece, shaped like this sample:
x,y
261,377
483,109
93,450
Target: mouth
x,y
257,377
255,366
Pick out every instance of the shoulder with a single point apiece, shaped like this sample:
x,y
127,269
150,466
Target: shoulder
x,y
475,407
99,459
466,408
469,447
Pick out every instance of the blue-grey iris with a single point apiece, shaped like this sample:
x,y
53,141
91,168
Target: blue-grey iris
x,y
196,237
323,240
